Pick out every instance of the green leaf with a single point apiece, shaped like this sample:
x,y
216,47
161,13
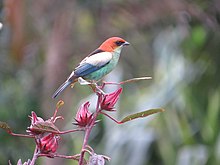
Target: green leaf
x,y
5,126
141,114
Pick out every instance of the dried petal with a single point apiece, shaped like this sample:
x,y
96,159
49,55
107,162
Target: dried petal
x,y
39,126
96,160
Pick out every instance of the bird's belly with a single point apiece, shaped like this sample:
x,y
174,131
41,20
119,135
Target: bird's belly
x,y
99,74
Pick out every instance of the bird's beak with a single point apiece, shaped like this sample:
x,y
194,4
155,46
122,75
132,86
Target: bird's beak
x,y
126,43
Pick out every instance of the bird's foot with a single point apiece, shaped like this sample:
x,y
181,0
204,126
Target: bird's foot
x,y
95,87
99,89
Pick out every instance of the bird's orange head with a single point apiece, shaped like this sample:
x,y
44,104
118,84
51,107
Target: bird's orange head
x,y
113,43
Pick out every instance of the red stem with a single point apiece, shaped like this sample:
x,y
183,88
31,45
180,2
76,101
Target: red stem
x,y
69,131
74,157
118,122
35,156
54,115
21,135
89,129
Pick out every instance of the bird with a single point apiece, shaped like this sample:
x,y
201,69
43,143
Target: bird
x,y
97,64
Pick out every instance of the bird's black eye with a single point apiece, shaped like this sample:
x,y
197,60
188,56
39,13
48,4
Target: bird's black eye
x,y
119,43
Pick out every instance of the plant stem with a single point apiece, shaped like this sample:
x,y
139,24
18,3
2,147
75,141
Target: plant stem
x,y
73,130
34,156
89,129
21,135
118,122
74,157
126,81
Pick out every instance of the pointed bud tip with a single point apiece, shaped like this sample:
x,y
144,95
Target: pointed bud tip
x,y
59,103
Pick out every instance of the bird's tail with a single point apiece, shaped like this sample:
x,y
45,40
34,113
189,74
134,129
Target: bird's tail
x,y
61,88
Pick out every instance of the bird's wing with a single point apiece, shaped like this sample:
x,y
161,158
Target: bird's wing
x,y
92,63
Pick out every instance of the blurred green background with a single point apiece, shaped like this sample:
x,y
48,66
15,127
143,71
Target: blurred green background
x,y
175,42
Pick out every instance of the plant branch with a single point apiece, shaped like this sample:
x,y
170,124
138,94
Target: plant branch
x,y
73,130
89,129
35,156
126,81
118,122
21,135
74,157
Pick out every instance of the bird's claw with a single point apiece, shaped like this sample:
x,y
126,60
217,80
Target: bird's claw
x,y
100,90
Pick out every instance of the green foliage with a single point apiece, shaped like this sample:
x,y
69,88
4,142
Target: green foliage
x,y
140,115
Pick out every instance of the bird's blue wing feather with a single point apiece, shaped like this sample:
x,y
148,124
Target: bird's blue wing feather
x,y
85,69
92,63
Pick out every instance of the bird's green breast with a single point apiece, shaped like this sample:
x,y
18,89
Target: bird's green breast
x,y
99,74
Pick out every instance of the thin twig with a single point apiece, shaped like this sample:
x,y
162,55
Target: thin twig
x,y
118,122
54,118
89,129
74,157
135,79
21,135
35,156
126,81
73,130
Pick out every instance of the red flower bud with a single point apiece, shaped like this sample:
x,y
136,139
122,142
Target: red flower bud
x,y
110,100
83,116
39,126
35,120
48,143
